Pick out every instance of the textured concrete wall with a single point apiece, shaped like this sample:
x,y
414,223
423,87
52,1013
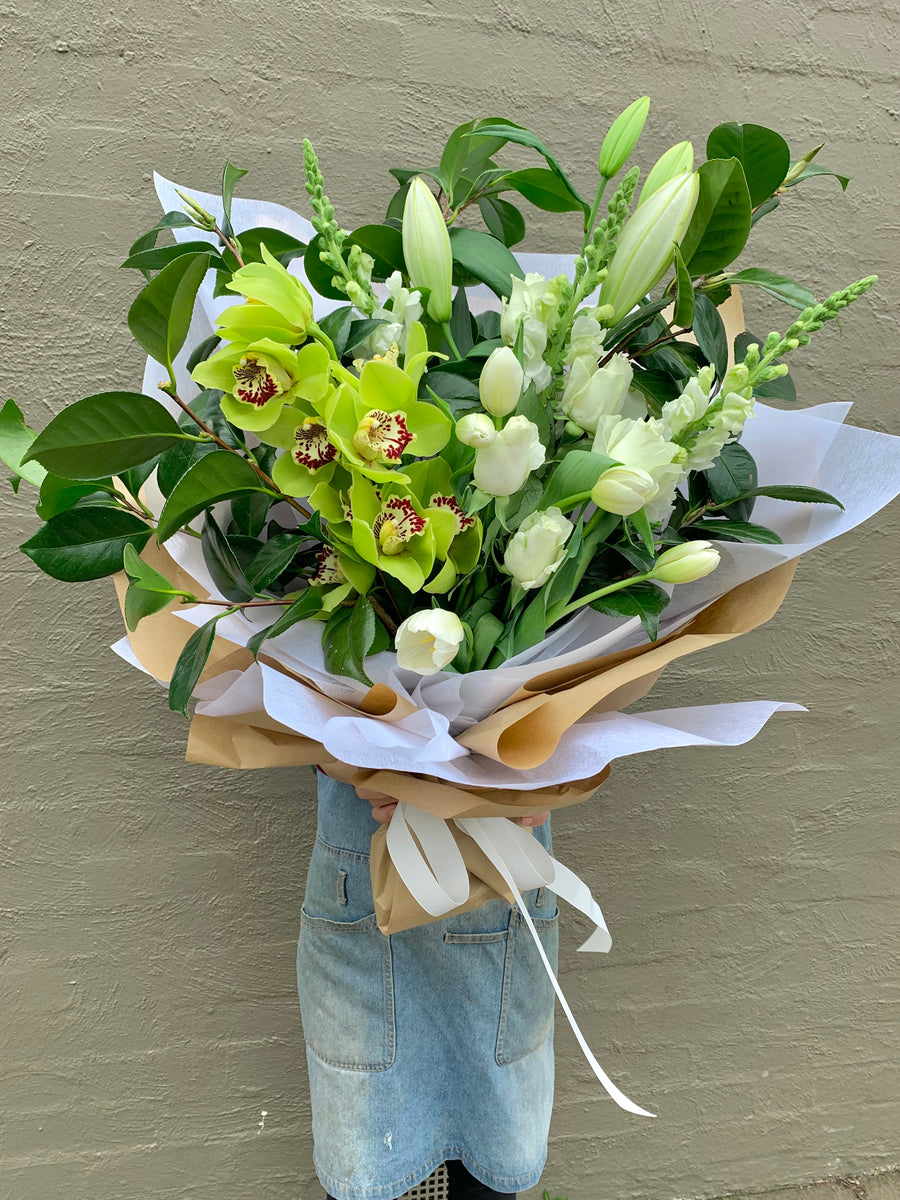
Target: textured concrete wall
x,y
149,909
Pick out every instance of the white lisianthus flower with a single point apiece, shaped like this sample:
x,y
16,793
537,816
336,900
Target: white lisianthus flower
x,y
591,391
406,307
501,381
428,640
534,305
502,467
537,547
475,429
686,562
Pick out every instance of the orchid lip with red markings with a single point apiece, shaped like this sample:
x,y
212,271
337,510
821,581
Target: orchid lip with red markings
x,y
328,570
255,383
452,504
312,449
396,524
382,435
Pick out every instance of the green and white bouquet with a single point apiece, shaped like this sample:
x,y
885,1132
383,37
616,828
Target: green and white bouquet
x,y
419,505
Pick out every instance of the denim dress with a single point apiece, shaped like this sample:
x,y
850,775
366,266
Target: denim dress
x,y
431,1044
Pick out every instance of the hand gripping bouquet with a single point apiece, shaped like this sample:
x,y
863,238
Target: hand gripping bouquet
x,y
406,504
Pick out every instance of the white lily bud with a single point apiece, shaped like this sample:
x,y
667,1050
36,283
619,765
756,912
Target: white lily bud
x,y
623,137
475,429
647,244
428,640
623,490
502,467
426,248
537,547
686,562
675,160
500,384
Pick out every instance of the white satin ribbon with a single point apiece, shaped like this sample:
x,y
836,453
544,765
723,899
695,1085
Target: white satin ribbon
x,y
433,870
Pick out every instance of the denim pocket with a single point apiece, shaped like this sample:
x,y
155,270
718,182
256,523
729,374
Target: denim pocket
x,y
526,1009
346,988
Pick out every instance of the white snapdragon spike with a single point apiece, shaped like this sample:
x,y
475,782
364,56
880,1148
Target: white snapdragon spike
x,y
406,307
686,562
533,304
690,406
592,391
585,339
502,467
476,429
426,248
501,382
428,640
537,547
642,445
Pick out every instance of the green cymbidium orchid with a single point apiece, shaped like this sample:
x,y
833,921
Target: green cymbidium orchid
x,y
432,481
259,379
271,285
378,421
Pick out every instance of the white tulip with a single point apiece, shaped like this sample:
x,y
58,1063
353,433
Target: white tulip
x,y
686,562
537,547
591,392
623,490
475,429
501,381
428,640
502,467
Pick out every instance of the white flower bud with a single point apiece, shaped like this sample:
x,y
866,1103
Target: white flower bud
x,y
537,547
623,137
501,381
502,467
428,640
675,160
426,248
475,429
592,392
623,490
686,562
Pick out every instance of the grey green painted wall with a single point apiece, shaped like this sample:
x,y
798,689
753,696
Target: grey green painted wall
x,y
148,909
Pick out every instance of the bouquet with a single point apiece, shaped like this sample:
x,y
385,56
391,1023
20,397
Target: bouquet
x,y
404,502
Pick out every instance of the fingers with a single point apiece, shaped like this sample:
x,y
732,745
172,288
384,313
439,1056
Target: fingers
x,y
383,812
532,822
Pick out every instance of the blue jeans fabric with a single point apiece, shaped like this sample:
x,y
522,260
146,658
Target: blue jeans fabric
x,y
429,1045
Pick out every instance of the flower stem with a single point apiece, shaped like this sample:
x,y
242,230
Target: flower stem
x,y
589,224
559,612
445,326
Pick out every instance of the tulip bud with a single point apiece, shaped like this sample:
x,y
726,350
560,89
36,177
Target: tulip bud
x,y
475,429
426,248
537,547
502,467
623,490
676,160
647,244
500,385
623,137
686,562
428,640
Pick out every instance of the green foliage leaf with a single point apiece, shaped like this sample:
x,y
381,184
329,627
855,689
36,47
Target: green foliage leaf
x,y
230,177
58,495
576,474
486,258
742,531
780,388
385,244
272,558
733,475
485,636
191,662
720,225
148,591
797,493
762,152
178,459
336,327
814,170
223,566
544,189
279,244
160,316
202,352
307,605
503,219
318,274
709,330
160,256
462,327
103,435
85,543
644,600
778,286
683,314
16,439
217,476
171,220
347,639
523,137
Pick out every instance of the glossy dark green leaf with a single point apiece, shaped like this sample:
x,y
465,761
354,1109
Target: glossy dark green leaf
x,y
644,600
797,494
575,475
742,531
16,439
523,137
248,514
764,209
778,286
683,313
223,566
86,543
544,189
305,606
503,219
148,591
385,244
58,495
486,258
347,638
190,664
201,352
814,170
484,638
318,274
171,220
709,330
217,476
230,177
178,459
336,326
160,256
657,388
272,559
462,326
721,222
279,244
781,388
360,330
732,475
762,152
104,434
160,316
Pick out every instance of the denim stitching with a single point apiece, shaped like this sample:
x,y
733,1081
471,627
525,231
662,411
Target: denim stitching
x,y
470,938
355,855
517,922
504,995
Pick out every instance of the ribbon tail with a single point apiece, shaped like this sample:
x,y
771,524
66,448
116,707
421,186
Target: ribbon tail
x,y
436,875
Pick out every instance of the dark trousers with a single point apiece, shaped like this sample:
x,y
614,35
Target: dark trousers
x,y
464,1186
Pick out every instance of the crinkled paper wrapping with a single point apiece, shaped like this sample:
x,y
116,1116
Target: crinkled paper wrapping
x,y
539,732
